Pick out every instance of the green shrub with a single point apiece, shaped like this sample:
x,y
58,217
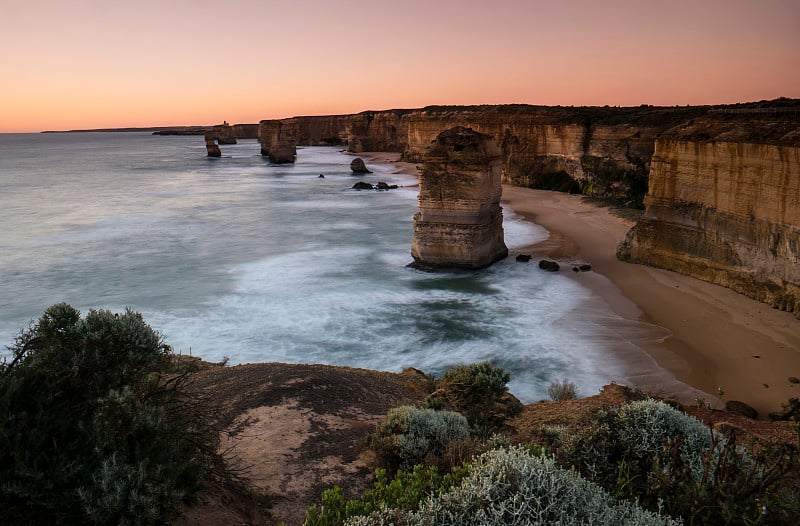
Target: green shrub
x,y
409,434
653,453
479,391
562,390
96,423
404,492
513,487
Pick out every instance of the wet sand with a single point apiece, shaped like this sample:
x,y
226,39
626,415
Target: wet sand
x,y
704,336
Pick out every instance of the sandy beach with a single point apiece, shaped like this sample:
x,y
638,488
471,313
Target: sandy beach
x,y
712,337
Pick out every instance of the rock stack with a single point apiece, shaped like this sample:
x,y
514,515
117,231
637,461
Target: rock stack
x,y
278,140
224,133
212,148
460,223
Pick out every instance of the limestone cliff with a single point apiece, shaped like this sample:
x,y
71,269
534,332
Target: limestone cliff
x,y
724,206
460,222
596,151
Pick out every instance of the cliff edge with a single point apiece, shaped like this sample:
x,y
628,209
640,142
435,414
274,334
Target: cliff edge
x,y
723,205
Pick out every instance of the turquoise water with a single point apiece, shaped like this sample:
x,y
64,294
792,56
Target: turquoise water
x,y
238,258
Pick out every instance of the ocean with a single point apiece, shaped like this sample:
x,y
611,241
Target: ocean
x,y
235,258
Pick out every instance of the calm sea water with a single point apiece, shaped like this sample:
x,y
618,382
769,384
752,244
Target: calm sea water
x,y
238,258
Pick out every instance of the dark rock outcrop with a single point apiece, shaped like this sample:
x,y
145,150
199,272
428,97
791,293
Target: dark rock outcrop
x,y
790,411
361,185
460,222
358,166
523,258
741,408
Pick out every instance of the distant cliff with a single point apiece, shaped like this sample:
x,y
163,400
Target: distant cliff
x,y
239,131
602,152
724,205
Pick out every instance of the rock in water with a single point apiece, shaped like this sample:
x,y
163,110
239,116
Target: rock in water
x,y
460,222
361,185
284,151
549,266
212,148
359,167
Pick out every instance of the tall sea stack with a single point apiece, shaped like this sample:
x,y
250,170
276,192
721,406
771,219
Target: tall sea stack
x,y
460,223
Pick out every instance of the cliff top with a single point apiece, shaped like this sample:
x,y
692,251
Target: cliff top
x,y
781,128
297,430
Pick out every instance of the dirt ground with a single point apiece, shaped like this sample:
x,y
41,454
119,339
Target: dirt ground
x,y
296,430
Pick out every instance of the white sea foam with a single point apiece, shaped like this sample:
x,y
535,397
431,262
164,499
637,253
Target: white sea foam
x,y
257,262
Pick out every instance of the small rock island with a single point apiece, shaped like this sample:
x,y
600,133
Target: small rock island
x,y
460,223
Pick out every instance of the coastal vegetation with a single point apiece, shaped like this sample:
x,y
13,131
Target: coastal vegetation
x,y
99,425
643,462
102,424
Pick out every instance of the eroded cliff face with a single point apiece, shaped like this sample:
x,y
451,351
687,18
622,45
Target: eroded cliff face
x,y
724,206
460,222
603,152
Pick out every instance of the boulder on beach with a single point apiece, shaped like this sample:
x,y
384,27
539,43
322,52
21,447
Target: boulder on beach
x,y
358,166
361,185
549,266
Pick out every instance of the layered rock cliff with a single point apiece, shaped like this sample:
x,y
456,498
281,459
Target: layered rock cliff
x,y
602,152
460,222
724,206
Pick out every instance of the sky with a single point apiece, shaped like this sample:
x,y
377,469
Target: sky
x,y
98,64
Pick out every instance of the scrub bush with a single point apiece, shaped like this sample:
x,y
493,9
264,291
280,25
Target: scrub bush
x,y
409,434
479,391
97,423
562,390
659,456
512,487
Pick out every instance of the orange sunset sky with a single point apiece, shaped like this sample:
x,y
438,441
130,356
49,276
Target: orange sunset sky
x,y
92,64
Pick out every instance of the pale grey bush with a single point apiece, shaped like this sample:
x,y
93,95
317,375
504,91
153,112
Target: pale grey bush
x,y
512,487
562,390
408,434
637,434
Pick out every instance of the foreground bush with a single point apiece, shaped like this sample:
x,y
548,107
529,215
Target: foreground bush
x,y
409,434
96,424
512,487
479,391
406,491
653,453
